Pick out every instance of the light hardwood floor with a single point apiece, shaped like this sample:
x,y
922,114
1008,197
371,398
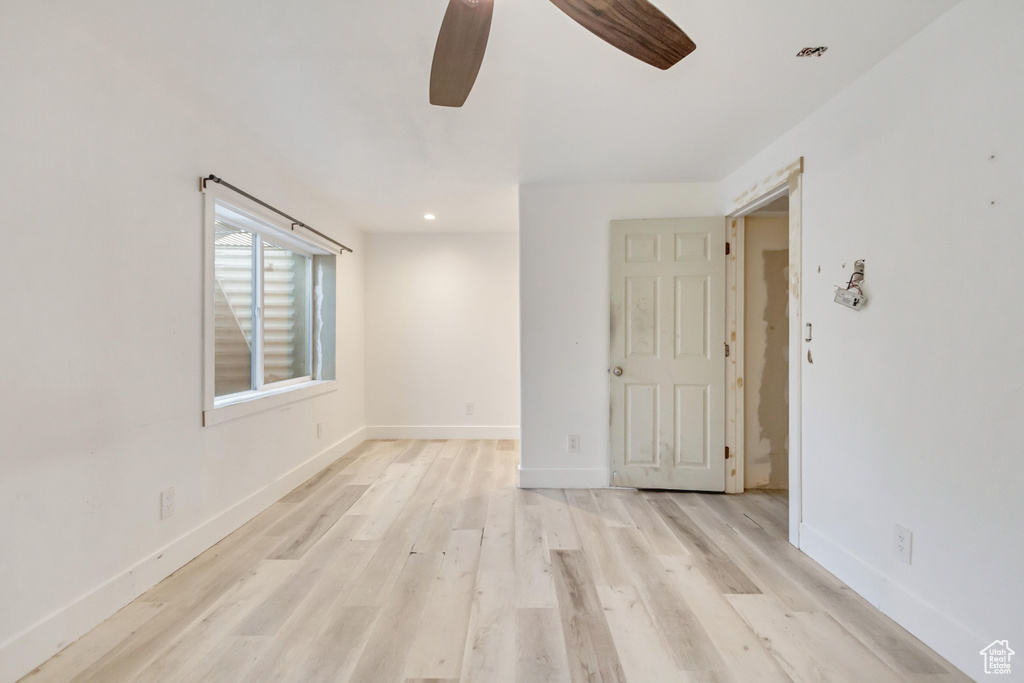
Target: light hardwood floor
x,y
421,561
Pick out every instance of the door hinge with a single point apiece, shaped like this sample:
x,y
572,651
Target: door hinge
x,y
726,452
728,248
727,349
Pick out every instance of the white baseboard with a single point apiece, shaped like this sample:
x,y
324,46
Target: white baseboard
x,y
543,478
441,432
33,646
958,644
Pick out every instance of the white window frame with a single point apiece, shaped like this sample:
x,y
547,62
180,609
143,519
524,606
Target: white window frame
x,y
271,228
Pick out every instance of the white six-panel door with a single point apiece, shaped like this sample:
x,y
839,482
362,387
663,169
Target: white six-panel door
x,y
668,339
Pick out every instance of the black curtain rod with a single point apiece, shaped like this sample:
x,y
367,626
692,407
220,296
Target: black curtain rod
x,y
262,203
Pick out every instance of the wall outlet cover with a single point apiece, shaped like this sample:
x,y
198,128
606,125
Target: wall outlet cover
x,y
469,409
573,443
902,540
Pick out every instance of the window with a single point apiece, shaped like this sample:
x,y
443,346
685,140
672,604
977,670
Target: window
x,y
270,310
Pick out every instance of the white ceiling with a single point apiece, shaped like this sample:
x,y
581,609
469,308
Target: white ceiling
x,y
336,90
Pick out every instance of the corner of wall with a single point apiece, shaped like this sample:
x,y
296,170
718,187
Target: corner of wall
x,y
26,650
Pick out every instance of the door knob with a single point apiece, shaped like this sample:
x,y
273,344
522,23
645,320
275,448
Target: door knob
x,y
617,371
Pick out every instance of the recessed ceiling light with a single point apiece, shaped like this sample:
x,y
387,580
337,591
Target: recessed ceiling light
x,y
429,216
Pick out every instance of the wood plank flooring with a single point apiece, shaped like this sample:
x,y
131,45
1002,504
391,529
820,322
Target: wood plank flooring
x,y
420,561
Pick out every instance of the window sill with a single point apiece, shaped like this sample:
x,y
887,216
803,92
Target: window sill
x,y
230,410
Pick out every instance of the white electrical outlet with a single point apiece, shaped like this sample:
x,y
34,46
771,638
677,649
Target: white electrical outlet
x,y
574,443
167,503
469,409
319,429
901,542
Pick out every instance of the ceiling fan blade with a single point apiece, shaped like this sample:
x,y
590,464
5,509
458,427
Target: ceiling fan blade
x,y
459,51
636,27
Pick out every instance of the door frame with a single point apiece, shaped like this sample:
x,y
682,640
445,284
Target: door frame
x,y
786,181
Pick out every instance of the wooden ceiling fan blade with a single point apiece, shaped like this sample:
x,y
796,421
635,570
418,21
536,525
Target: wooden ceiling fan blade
x,y
636,27
459,52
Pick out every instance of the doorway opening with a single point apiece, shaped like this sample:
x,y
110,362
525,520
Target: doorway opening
x,y
764,322
674,366
765,355
766,347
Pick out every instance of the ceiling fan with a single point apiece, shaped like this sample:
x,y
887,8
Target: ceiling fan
x,y
636,27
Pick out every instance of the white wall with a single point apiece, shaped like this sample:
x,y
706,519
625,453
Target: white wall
x,y
913,408
442,323
564,303
101,270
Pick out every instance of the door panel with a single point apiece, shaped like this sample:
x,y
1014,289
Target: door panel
x,y
642,323
691,316
691,247
642,429
642,249
692,413
668,336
